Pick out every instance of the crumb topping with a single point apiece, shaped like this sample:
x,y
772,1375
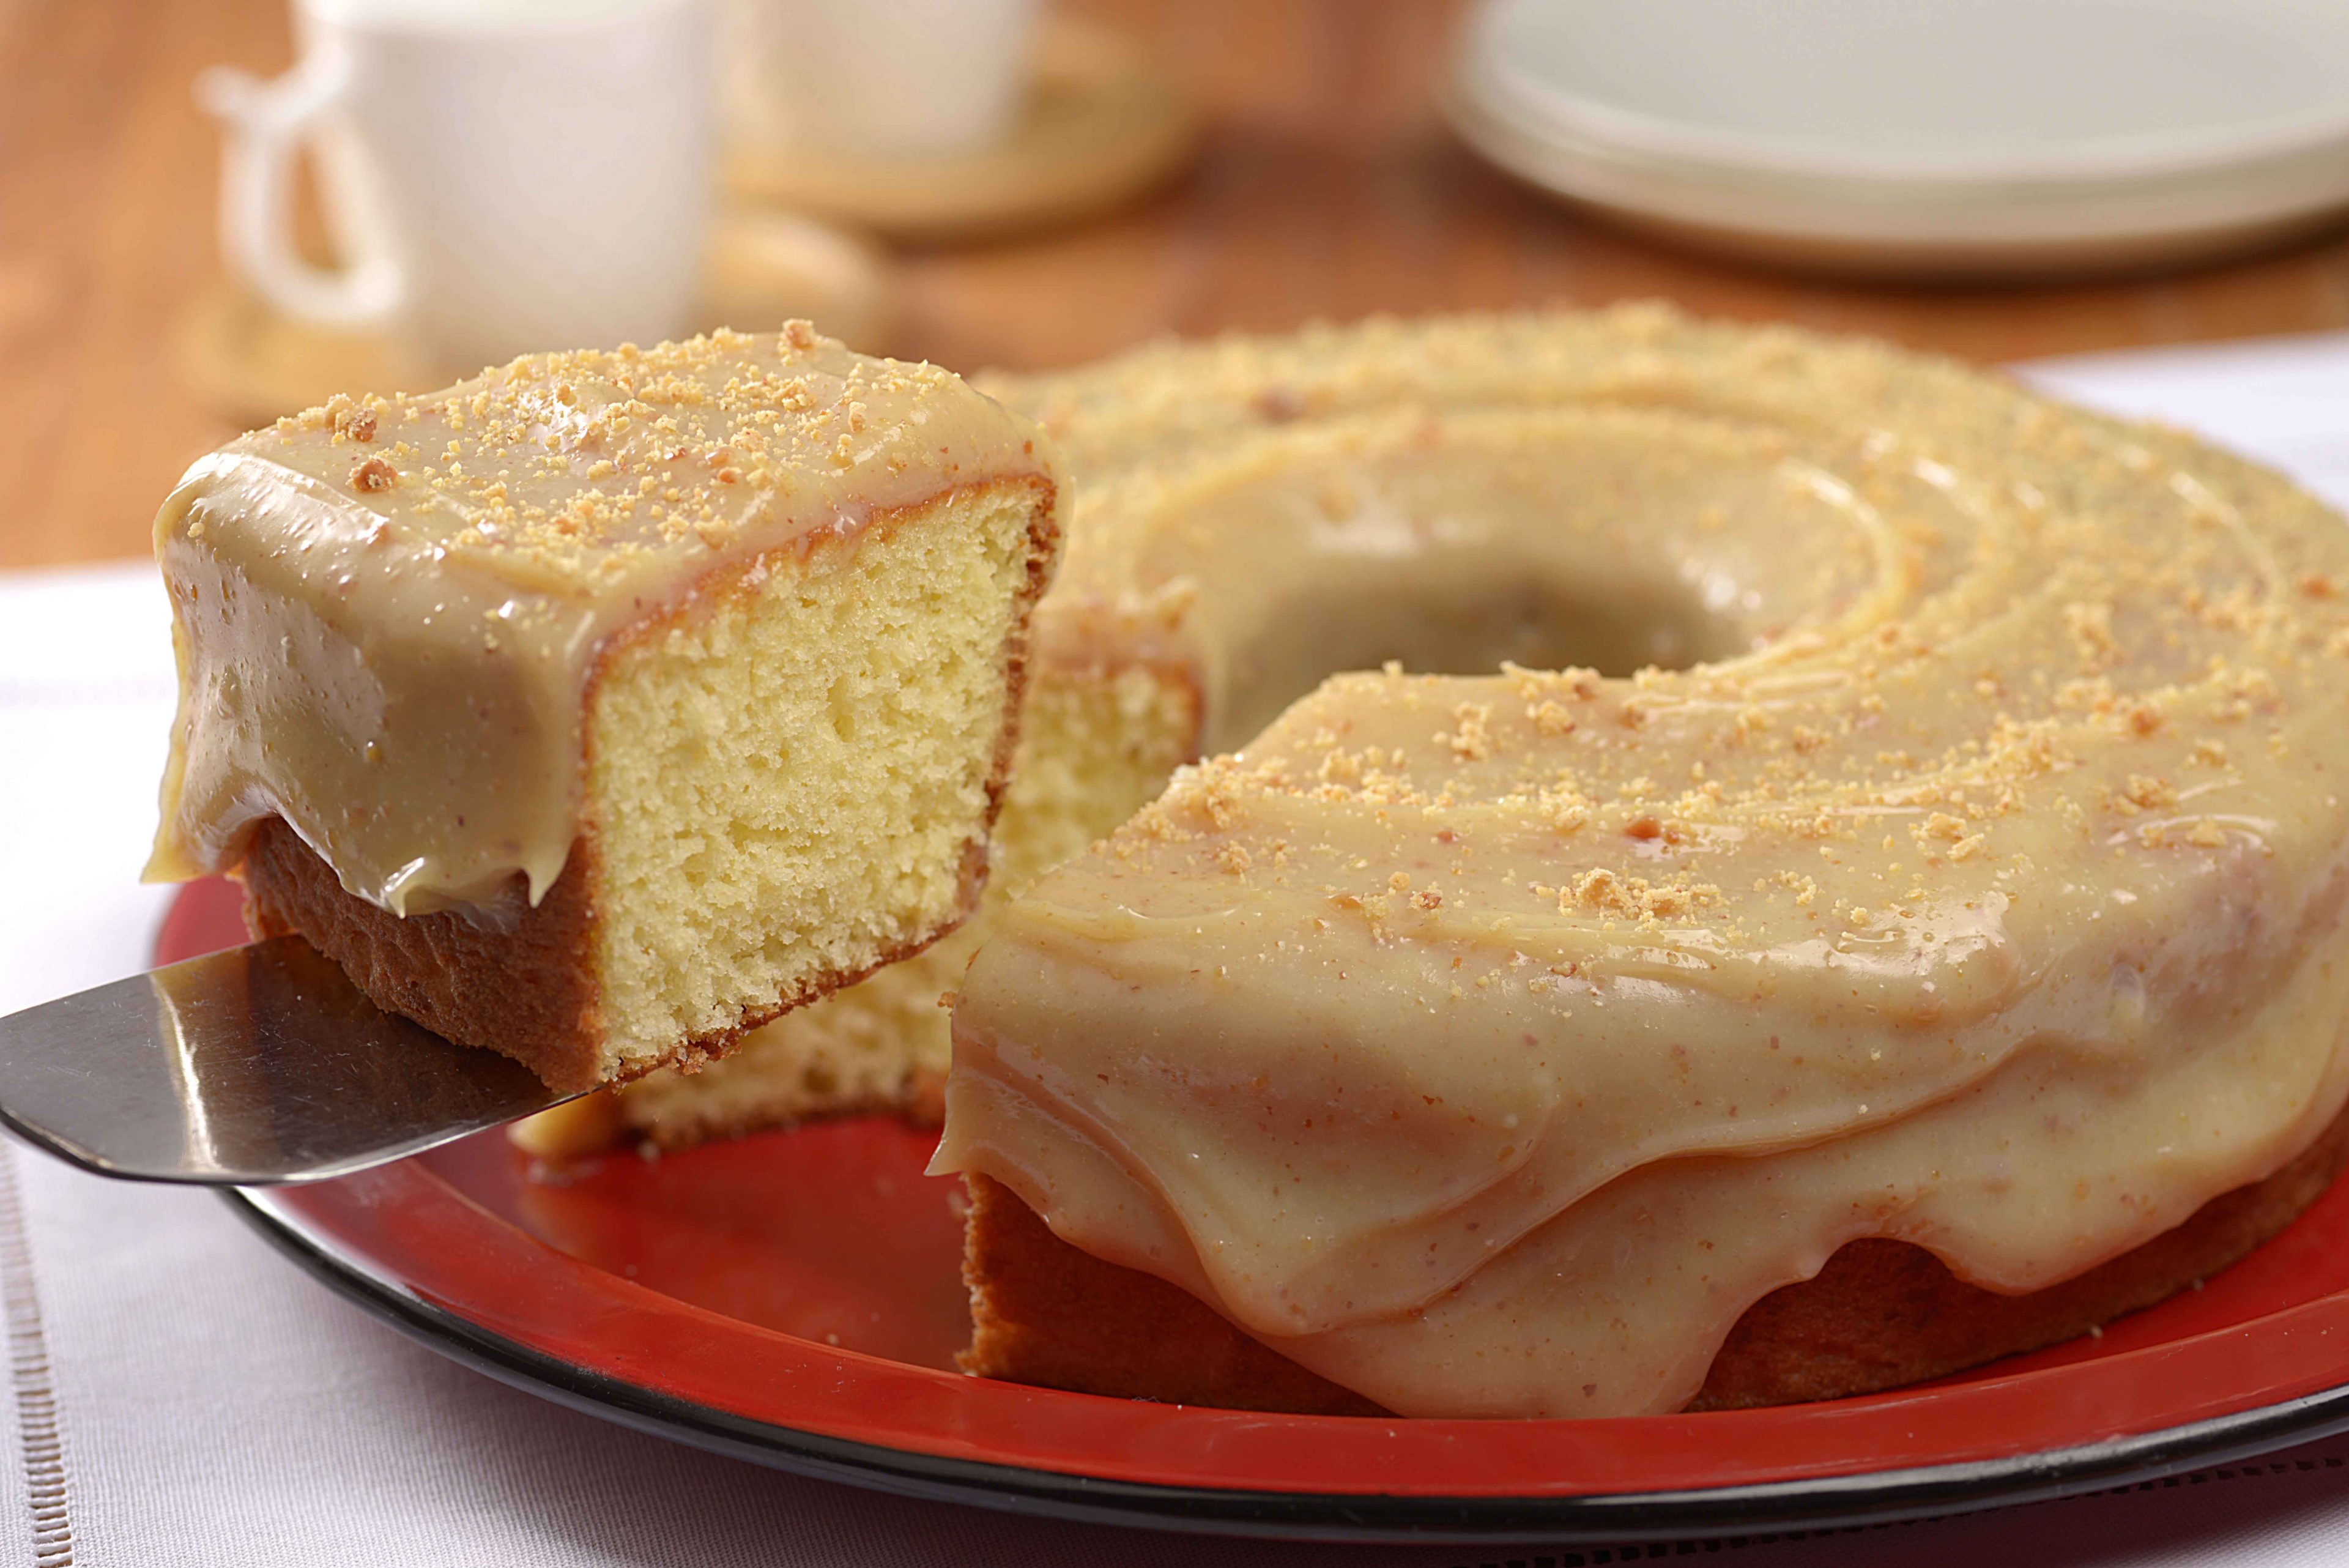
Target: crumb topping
x,y
1966,642
586,471
1944,844
405,603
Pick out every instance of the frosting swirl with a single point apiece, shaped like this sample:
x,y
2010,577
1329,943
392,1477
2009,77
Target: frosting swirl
x,y
1488,1043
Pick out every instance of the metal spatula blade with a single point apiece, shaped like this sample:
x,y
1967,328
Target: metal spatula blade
x,y
260,1064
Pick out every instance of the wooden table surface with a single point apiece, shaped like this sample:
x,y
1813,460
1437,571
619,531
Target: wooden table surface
x,y
1328,188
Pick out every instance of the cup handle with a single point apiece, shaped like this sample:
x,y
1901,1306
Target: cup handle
x,y
267,123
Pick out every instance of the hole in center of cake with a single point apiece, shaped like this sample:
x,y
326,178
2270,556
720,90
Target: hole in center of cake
x,y
1431,626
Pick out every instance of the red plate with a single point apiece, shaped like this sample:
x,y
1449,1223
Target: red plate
x,y
794,1299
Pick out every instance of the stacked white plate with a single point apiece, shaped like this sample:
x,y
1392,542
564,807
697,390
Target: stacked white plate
x,y
1958,138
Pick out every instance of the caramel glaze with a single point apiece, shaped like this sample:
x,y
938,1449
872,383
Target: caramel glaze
x,y
1488,1044
388,613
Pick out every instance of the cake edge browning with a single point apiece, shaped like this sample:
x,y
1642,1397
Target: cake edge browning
x,y
455,973
456,977
1880,1315
1043,1311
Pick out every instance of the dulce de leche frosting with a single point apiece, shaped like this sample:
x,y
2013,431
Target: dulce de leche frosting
x,y
388,612
1487,1044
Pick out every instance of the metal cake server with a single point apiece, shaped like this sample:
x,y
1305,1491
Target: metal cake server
x,y
259,1064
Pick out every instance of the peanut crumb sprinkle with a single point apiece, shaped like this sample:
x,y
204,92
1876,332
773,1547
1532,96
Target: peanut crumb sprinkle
x,y
1955,645
1957,799
585,471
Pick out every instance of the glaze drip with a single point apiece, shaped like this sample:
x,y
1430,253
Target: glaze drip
x,y
389,613
1488,1043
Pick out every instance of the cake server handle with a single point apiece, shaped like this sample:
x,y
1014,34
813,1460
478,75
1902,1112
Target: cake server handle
x,y
256,1066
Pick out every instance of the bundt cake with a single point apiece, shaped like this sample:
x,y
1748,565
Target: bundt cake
x,y
1902,867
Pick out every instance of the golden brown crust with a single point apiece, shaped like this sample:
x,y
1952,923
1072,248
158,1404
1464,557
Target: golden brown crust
x,y
525,989
525,985
462,979
1043,1311
1044,533
1882,1312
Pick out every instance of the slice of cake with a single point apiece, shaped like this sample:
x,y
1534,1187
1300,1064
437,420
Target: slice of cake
x,y
1092,752
608,705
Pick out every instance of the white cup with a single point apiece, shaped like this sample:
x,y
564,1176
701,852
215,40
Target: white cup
x,y
499,176
894,78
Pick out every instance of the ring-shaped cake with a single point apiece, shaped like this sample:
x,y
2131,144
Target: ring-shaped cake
x,y
1902,863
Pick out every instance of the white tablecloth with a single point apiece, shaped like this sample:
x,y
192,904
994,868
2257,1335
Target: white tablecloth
x,y
184,1396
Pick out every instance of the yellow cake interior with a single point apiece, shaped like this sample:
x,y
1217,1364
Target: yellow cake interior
x,y
779,780
1095,746
1091,752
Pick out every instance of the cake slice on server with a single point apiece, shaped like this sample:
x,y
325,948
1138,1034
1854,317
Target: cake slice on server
x,y
606,706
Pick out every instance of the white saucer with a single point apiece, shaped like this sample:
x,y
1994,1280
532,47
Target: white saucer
x,y
1962,138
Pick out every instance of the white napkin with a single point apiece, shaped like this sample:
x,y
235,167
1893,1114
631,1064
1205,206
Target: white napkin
x,y
86,695
184,1396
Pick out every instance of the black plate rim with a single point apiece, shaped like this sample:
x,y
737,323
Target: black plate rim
x,y
1818,1503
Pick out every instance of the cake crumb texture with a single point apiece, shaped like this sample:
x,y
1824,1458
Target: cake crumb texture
x,y
793,782
1090,752
606,706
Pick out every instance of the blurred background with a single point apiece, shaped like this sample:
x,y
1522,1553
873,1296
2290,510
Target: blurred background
x,y
1070,180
